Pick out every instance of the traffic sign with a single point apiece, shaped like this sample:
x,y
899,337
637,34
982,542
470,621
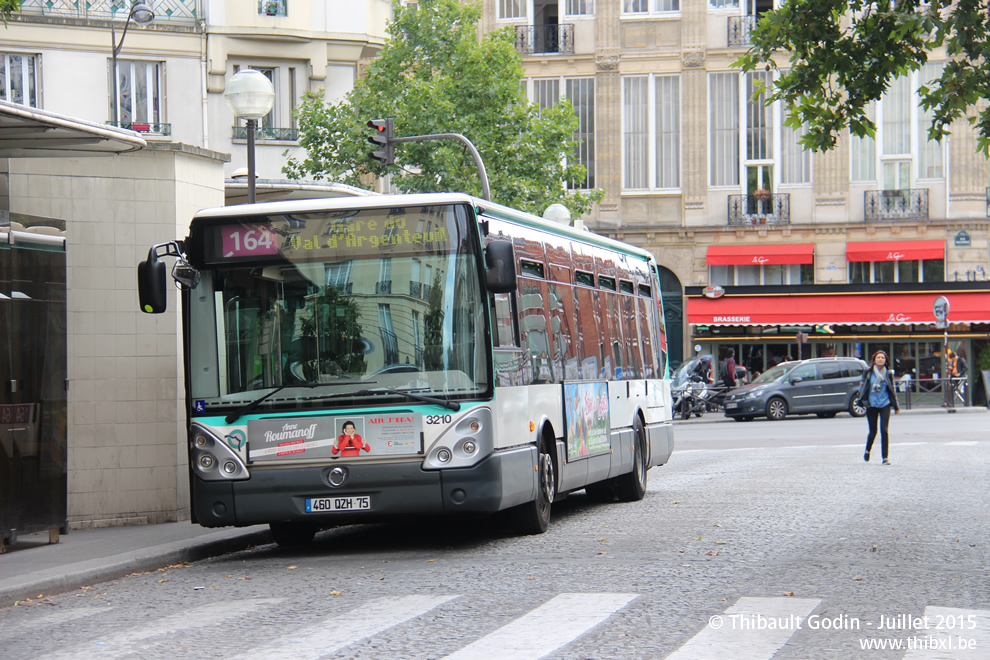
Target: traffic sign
x,y
940,308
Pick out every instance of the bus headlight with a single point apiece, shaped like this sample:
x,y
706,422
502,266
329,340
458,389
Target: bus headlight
x,y
465,444
208,453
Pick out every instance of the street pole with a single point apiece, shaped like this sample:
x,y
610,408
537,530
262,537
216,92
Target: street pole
x,y
251,125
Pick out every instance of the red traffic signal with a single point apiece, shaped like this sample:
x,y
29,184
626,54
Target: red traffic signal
x,y
385,154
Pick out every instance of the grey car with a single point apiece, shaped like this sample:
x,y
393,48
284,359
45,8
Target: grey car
x,y
824,386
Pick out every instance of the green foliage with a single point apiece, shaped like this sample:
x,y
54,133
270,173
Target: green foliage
x,y
843,54
435,76
8,7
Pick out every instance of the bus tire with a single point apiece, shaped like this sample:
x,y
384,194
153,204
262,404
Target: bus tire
x,y
292,534
632,487
534,517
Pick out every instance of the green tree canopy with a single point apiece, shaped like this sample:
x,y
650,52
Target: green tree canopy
x,y
432,76
843,54
8,7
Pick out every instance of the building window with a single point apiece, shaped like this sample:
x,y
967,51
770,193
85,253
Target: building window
x,y
758,139
19,79
580,7
644,6
651,132
139,92
724,127
897,118
864,152
581,93
767,275
929,151
511,9
723,4
795,160
892,272
635,134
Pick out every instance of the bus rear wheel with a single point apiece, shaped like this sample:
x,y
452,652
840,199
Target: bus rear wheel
x,y
632,487
292,534
534,517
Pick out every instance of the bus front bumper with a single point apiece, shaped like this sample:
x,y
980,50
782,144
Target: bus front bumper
x,y
396,490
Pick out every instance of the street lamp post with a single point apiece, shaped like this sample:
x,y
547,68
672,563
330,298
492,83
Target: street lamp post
x,y
250,96
141,13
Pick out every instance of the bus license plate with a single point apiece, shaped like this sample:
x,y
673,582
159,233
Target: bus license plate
x,y
324,504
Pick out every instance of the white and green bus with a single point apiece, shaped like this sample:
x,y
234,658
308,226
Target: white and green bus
x,y
373,358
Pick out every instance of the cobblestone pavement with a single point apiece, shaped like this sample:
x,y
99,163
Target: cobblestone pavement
x,y
777,523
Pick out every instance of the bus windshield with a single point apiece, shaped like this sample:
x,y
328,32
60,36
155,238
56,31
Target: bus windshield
x,y
376,302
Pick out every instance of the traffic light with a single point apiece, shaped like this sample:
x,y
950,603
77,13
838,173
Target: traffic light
x,y
385,154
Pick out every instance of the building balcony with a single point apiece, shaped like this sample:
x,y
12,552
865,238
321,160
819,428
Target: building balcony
x,y
739,29
904,204
152,128
384,286
268,133
186,12
538,39
763,209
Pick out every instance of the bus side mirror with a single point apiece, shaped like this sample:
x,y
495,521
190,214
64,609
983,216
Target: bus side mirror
x,y
151,284
501,262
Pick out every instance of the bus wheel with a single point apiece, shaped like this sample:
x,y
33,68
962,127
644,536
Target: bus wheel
x,y
534,517
632,487
292,534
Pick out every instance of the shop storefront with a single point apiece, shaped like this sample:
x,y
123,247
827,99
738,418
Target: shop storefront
x,y
786,318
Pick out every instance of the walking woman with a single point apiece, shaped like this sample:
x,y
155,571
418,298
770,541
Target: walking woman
x,y
877,393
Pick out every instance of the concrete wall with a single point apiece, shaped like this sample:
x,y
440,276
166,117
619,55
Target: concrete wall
x,y
127,458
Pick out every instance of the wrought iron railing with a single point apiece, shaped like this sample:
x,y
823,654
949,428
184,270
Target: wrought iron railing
x,y
768,209
905,204
154,128
390,347
166,11
532,39
419,290
384,286
268,133
988,202
273,8
739,29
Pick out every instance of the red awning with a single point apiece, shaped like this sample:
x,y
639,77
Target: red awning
x,y
760,254
838,309
895,250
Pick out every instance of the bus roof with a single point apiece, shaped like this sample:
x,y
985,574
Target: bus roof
x,y
483,207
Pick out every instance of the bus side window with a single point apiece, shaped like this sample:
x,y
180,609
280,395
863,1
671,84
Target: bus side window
x,y
506,333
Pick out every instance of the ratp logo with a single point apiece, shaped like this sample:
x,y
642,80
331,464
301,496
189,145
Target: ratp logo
x,y
236,439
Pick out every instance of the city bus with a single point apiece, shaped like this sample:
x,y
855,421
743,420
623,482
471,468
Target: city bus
x,y
374,358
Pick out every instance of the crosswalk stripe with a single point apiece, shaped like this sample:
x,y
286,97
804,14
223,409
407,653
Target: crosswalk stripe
x,y
739,634
125,643
952,634
329,635
560,620
49,620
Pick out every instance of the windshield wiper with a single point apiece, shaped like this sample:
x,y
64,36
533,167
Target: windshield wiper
x,y
446,403
240,412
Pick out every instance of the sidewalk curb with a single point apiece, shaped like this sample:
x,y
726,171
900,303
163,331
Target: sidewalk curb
x,y
715,417
74,576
